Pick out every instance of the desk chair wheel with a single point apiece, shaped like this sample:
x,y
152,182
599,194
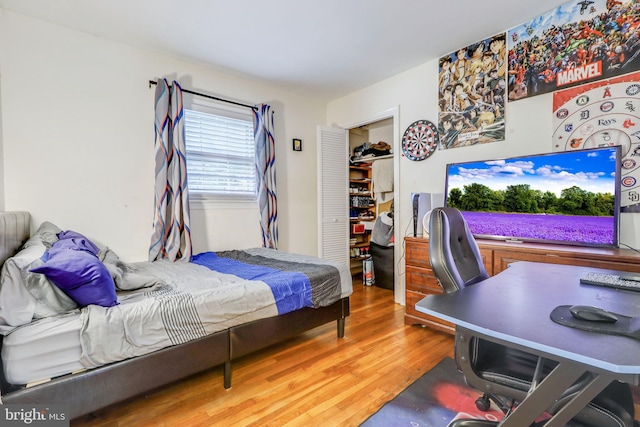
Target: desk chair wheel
x,y
483,403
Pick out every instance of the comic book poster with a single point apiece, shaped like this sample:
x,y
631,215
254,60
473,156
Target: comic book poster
x,y
578,42
599,114
471,94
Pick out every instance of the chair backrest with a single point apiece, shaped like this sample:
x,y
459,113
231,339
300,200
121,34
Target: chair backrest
x,y
453,252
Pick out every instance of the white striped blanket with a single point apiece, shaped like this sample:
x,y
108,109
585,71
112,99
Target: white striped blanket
x,y
182,301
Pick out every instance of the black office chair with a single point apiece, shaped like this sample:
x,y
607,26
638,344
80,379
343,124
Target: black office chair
x,y
505,374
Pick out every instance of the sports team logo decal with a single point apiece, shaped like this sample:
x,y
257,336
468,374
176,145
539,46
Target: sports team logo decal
x,y
606,106
628,164
633,89
600,114
582,100
629,181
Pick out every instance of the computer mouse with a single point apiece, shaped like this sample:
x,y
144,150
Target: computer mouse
x,y
592,314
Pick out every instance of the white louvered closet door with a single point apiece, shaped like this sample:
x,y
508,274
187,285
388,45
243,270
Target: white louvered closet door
x,y
333,194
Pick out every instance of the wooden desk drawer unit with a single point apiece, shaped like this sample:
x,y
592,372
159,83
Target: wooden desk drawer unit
x,y
420,282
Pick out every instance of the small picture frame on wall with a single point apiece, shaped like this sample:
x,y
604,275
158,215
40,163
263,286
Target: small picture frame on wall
x,y
297,145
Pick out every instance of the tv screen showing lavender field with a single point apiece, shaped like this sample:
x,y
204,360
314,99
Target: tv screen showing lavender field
x,y
567,197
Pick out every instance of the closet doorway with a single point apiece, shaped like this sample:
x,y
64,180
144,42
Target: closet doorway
x,y
334,165
373,183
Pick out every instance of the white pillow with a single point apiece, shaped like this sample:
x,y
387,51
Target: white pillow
x,y
17,305
47,234
25,296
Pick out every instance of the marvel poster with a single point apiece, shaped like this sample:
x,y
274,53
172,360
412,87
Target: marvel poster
x,y
471,94
578,42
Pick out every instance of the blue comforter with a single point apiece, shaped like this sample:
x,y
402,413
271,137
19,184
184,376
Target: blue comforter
x,y
294,284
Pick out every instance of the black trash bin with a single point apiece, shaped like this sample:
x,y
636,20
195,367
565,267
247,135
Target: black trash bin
x,y
382,257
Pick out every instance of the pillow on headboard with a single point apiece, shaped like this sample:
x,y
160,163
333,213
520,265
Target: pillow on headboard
x,y
47,234
25,296
17,305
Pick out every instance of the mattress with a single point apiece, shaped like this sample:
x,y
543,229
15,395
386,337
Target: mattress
x,y
42,350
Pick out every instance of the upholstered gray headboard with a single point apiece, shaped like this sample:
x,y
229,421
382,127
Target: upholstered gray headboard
x,y
14,231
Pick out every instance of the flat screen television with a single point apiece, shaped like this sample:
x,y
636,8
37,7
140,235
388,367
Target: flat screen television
x,y
570,197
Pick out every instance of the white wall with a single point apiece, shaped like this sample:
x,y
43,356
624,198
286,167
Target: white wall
x,y
528,131
78,140
381,131
1,153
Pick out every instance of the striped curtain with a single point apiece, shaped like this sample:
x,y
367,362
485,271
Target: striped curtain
x,y
266,172
171,238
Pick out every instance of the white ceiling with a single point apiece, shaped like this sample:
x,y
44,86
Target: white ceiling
x,y
330,47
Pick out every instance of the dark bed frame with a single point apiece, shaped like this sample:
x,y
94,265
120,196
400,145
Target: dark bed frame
x,y
88,391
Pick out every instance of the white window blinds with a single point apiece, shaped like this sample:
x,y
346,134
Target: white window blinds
x,y
220,156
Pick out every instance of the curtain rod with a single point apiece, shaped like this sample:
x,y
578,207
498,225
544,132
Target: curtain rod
x,y
152,82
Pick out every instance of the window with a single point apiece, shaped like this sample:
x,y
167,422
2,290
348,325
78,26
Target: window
x,y
220,153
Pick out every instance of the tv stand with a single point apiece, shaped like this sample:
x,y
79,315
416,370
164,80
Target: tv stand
x,y
497,255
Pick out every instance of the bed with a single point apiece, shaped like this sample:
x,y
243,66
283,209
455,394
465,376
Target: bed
x,y
89,346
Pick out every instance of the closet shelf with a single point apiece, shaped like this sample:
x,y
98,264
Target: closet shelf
x,y
371,159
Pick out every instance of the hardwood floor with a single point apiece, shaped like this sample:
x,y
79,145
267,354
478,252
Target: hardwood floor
x,y
316,379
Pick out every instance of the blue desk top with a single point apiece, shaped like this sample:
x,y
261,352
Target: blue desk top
x,y
514,306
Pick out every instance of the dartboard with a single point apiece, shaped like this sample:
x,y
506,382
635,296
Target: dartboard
x,y
420,140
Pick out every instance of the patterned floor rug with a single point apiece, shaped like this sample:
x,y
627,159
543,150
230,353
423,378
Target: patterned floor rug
x,y
433,400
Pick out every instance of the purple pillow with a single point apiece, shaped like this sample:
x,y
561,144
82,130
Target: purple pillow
x,y
77,244
81,276
74,240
